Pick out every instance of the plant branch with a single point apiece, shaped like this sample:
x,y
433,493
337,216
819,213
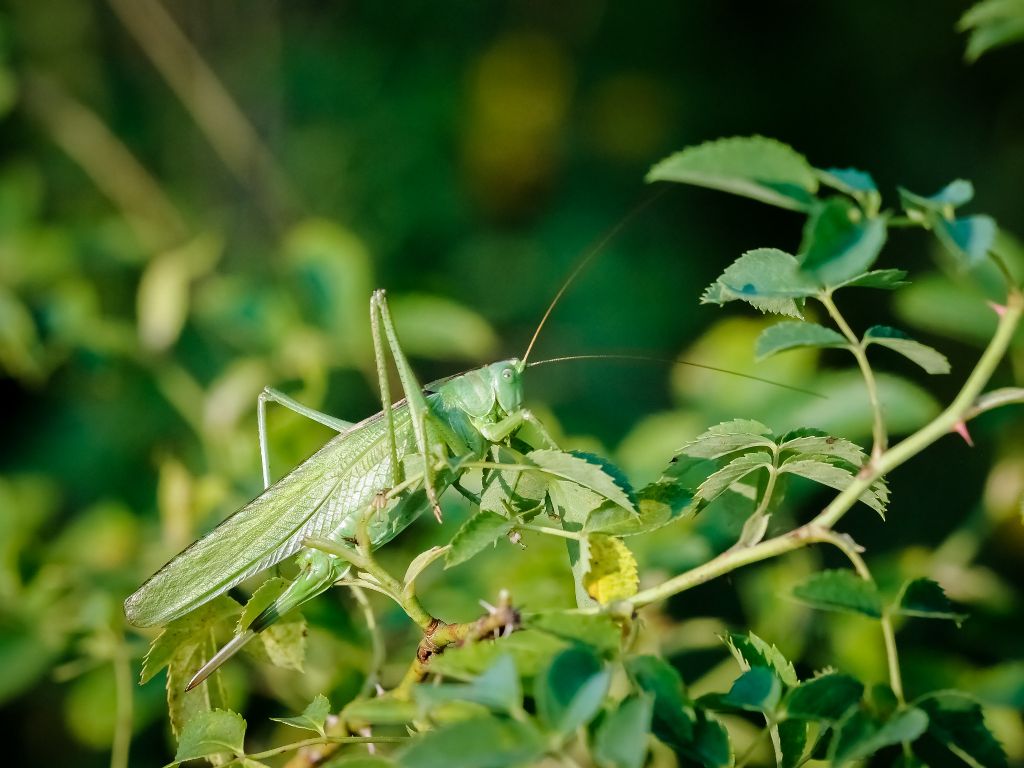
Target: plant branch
x,y
389,584
879,437
818,529
503,618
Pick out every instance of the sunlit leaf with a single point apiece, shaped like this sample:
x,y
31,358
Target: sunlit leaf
x,y
840,242
931,360
766,278
787,335
751,651
613,571
313,717
211,733
476,534
757,167
992,24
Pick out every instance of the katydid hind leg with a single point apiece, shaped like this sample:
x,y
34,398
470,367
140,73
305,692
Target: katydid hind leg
x,y
270,395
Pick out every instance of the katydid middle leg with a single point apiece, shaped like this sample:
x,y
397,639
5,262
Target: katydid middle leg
x,y
274,396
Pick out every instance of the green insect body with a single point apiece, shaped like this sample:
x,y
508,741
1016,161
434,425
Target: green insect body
x,y
350,482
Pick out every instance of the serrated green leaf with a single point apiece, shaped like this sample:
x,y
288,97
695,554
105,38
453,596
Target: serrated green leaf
x,y
313,716
885,279
612,574
598,631
792,742
484,742
571,689
737,469
840,242
477,533
751,651
756,690
931,360
211,733
826,698
497,689
860,736
728,437
968,239
992,24
530,649
621,738
587,471
674,717
285,643
756,167
710,746
657,504
792,334
925,599
956,720
833,474
822,444
768,279
840,590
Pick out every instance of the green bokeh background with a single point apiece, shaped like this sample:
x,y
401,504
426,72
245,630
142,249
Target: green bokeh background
x,y
162,258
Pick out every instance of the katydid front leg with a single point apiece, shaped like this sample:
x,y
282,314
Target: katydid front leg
x,y
381,316
498,431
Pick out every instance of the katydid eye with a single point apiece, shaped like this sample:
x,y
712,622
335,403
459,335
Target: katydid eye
x,y
506,374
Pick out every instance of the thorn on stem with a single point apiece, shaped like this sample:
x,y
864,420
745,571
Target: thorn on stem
x,y
961,429
999,309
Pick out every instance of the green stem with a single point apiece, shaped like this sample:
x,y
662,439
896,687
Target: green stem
x,y
409,603
879,437
576,535
938,427
818,529
848,548
376,641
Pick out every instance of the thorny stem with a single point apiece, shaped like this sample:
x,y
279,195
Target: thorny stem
x,y
852,552
878,432
819,529
503,618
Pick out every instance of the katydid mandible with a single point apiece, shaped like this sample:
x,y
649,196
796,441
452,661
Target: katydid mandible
x,y
355,475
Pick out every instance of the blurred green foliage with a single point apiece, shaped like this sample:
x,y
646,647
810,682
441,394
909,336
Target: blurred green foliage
x,y
176,235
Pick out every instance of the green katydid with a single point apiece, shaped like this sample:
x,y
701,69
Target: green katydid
x,y
375,478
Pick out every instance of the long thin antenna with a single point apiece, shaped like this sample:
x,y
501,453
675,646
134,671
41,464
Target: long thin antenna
x,y
586,259
669,360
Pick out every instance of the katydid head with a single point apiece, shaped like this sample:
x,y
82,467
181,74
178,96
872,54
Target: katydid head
x,y
489,393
